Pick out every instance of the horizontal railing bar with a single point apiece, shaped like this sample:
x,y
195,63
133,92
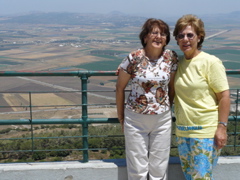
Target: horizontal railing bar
x,y
29,138
233,118
71,105
71,121
39,92
45,92
66,91
80,149
76,73
62,137
233,133
46,150
233,71
57,73
43,106
57,121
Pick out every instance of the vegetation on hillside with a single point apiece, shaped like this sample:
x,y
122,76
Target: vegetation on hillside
x,y
61,142
64,143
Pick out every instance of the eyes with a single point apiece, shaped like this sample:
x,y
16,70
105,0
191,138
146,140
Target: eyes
x,y
189,36
156,33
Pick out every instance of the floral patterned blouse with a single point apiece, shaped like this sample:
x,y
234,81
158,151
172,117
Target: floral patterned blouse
x,y
149,87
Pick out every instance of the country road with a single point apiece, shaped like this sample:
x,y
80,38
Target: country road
x,y
216,34
63,88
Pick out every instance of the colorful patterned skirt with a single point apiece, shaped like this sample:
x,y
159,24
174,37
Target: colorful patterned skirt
x,y
198,157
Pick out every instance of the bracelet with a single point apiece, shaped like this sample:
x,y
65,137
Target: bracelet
x,y
223,123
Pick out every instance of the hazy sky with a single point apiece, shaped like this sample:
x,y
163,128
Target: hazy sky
x,y
138,7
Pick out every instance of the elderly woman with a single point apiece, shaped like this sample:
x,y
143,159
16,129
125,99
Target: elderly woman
x,y
146,119
201,101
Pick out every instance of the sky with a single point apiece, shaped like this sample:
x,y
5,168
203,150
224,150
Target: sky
x,y
154,8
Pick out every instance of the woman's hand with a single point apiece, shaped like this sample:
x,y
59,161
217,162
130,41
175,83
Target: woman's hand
x,y
117,71
121,121
220,137
223,113
122,82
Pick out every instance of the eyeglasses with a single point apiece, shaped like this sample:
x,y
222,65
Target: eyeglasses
x,y
189,36
156,33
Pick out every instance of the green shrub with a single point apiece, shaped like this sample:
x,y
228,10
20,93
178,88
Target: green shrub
x,y
3,131
39,156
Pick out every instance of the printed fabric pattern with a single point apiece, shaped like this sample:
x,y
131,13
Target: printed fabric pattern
x,y
198,157
149,81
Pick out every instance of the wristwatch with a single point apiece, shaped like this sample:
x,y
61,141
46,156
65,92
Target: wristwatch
x,y
223,123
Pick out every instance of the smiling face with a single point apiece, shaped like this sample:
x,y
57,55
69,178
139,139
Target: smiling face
x,y
155,39
188,42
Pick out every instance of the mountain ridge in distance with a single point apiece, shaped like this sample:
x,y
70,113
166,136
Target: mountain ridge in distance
x,y
116,18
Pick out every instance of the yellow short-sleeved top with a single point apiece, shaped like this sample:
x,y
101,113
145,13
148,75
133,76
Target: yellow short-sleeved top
x,y
196,82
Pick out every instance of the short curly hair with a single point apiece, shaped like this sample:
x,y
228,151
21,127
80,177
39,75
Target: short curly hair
x,y
148,27
195,22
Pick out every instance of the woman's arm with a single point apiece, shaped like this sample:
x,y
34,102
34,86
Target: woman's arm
x,y
122,81
171,91
223,113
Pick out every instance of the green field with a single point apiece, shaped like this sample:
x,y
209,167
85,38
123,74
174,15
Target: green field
x,y
108,63
230,58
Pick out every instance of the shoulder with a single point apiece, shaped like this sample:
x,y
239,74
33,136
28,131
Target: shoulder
x,y
212,59
211,63
136,53
170,52
170,55
136,57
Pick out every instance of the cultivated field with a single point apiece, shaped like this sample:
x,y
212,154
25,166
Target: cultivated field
x,y
44,47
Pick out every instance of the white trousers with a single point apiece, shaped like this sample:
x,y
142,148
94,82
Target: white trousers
x,y
147,141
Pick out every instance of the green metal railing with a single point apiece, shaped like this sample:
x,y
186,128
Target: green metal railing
x,y
84,120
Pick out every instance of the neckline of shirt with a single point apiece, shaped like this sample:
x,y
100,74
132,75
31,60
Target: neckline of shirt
x,y
152,61
188,60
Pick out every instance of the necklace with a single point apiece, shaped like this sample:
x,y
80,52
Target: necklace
x,y
153,62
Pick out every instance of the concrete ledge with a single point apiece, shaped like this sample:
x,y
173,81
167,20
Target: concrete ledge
x,y
112,169
70,170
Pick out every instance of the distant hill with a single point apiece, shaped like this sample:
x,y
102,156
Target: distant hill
x,y
113,19
230,18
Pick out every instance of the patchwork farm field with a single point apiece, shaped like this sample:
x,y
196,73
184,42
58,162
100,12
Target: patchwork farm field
x,y
91,42
46,47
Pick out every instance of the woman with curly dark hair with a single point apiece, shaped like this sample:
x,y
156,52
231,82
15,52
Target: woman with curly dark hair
x,y
146,119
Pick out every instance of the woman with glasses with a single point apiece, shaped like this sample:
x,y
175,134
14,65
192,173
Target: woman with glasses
x,y
201,101
146,119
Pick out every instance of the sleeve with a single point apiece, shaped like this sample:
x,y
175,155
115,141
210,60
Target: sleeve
x,y
126,64
217,77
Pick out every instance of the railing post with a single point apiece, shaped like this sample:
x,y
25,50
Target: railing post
x,y
236,115
84,79
31,117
